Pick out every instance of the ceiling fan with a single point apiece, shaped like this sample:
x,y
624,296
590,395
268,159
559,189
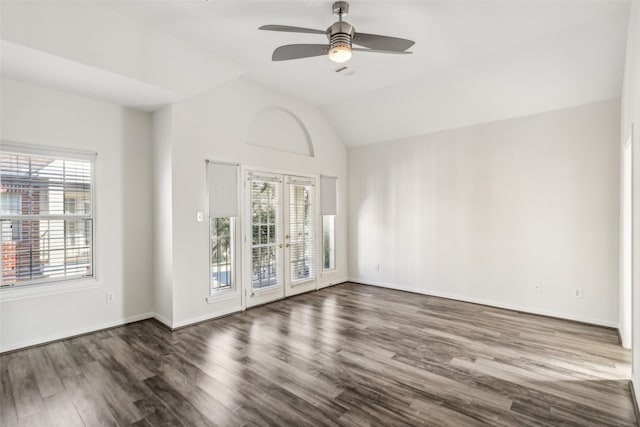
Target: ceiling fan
x,y
342,36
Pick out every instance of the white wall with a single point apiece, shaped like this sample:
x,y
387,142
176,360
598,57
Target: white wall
x,y
631,115
484,213
214,126
121,137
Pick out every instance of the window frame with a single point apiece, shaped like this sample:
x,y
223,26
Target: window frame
x,y
38,287
335,257
213,293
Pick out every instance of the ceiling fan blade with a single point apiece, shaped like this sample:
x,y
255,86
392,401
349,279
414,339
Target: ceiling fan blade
x,y
289,29
297,51
374,41
395,52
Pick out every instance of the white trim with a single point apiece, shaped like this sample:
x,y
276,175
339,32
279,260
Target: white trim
x,y
260,169
490,303
36,290
332,282
192,320
75,332
305,281
222,296
222,162
46,151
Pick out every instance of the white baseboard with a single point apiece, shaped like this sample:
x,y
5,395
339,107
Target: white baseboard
x,y
74,332
507,306
210,316
160,318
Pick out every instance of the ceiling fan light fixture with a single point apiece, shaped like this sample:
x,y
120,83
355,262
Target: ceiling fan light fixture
x,y
340,45
340,53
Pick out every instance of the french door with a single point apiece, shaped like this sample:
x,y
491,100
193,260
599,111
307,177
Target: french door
x,y
280,241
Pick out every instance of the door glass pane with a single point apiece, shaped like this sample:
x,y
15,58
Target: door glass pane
x,y
301,232
265,200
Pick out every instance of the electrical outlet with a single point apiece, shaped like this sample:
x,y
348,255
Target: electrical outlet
x,y
200,216
377,268
109,297
577,292
538,288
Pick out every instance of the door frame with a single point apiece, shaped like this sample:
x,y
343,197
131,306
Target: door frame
x,y
245,209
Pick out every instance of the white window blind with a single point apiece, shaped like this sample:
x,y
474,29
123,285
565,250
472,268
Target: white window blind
x,y
328,196
301,231
223,189
46,217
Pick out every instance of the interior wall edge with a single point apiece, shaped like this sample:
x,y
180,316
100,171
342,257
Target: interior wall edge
x,y
490,303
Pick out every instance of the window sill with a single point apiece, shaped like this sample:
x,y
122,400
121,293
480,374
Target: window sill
x,y
43,290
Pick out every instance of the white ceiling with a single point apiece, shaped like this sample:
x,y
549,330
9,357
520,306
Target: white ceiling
x,y
446,33
473,61
23,63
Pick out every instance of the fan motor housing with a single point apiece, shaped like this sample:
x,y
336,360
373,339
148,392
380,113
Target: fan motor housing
x,y
340,34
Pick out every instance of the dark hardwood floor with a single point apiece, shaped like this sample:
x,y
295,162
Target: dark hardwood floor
x,y
349,355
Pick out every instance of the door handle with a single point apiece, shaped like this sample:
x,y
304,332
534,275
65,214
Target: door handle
x,y
287,245
280,245
286,236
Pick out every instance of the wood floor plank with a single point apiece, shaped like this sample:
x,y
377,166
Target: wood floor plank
x,y
90,405
62,360
45,372
62,412
26,394
120,404
177,403
8,413
348,355
39,419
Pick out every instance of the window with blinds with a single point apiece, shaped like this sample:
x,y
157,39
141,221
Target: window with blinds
x,y
46,218
223,210
301,232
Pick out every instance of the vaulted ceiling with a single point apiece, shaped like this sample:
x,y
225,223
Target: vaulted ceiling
x,y
473,61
